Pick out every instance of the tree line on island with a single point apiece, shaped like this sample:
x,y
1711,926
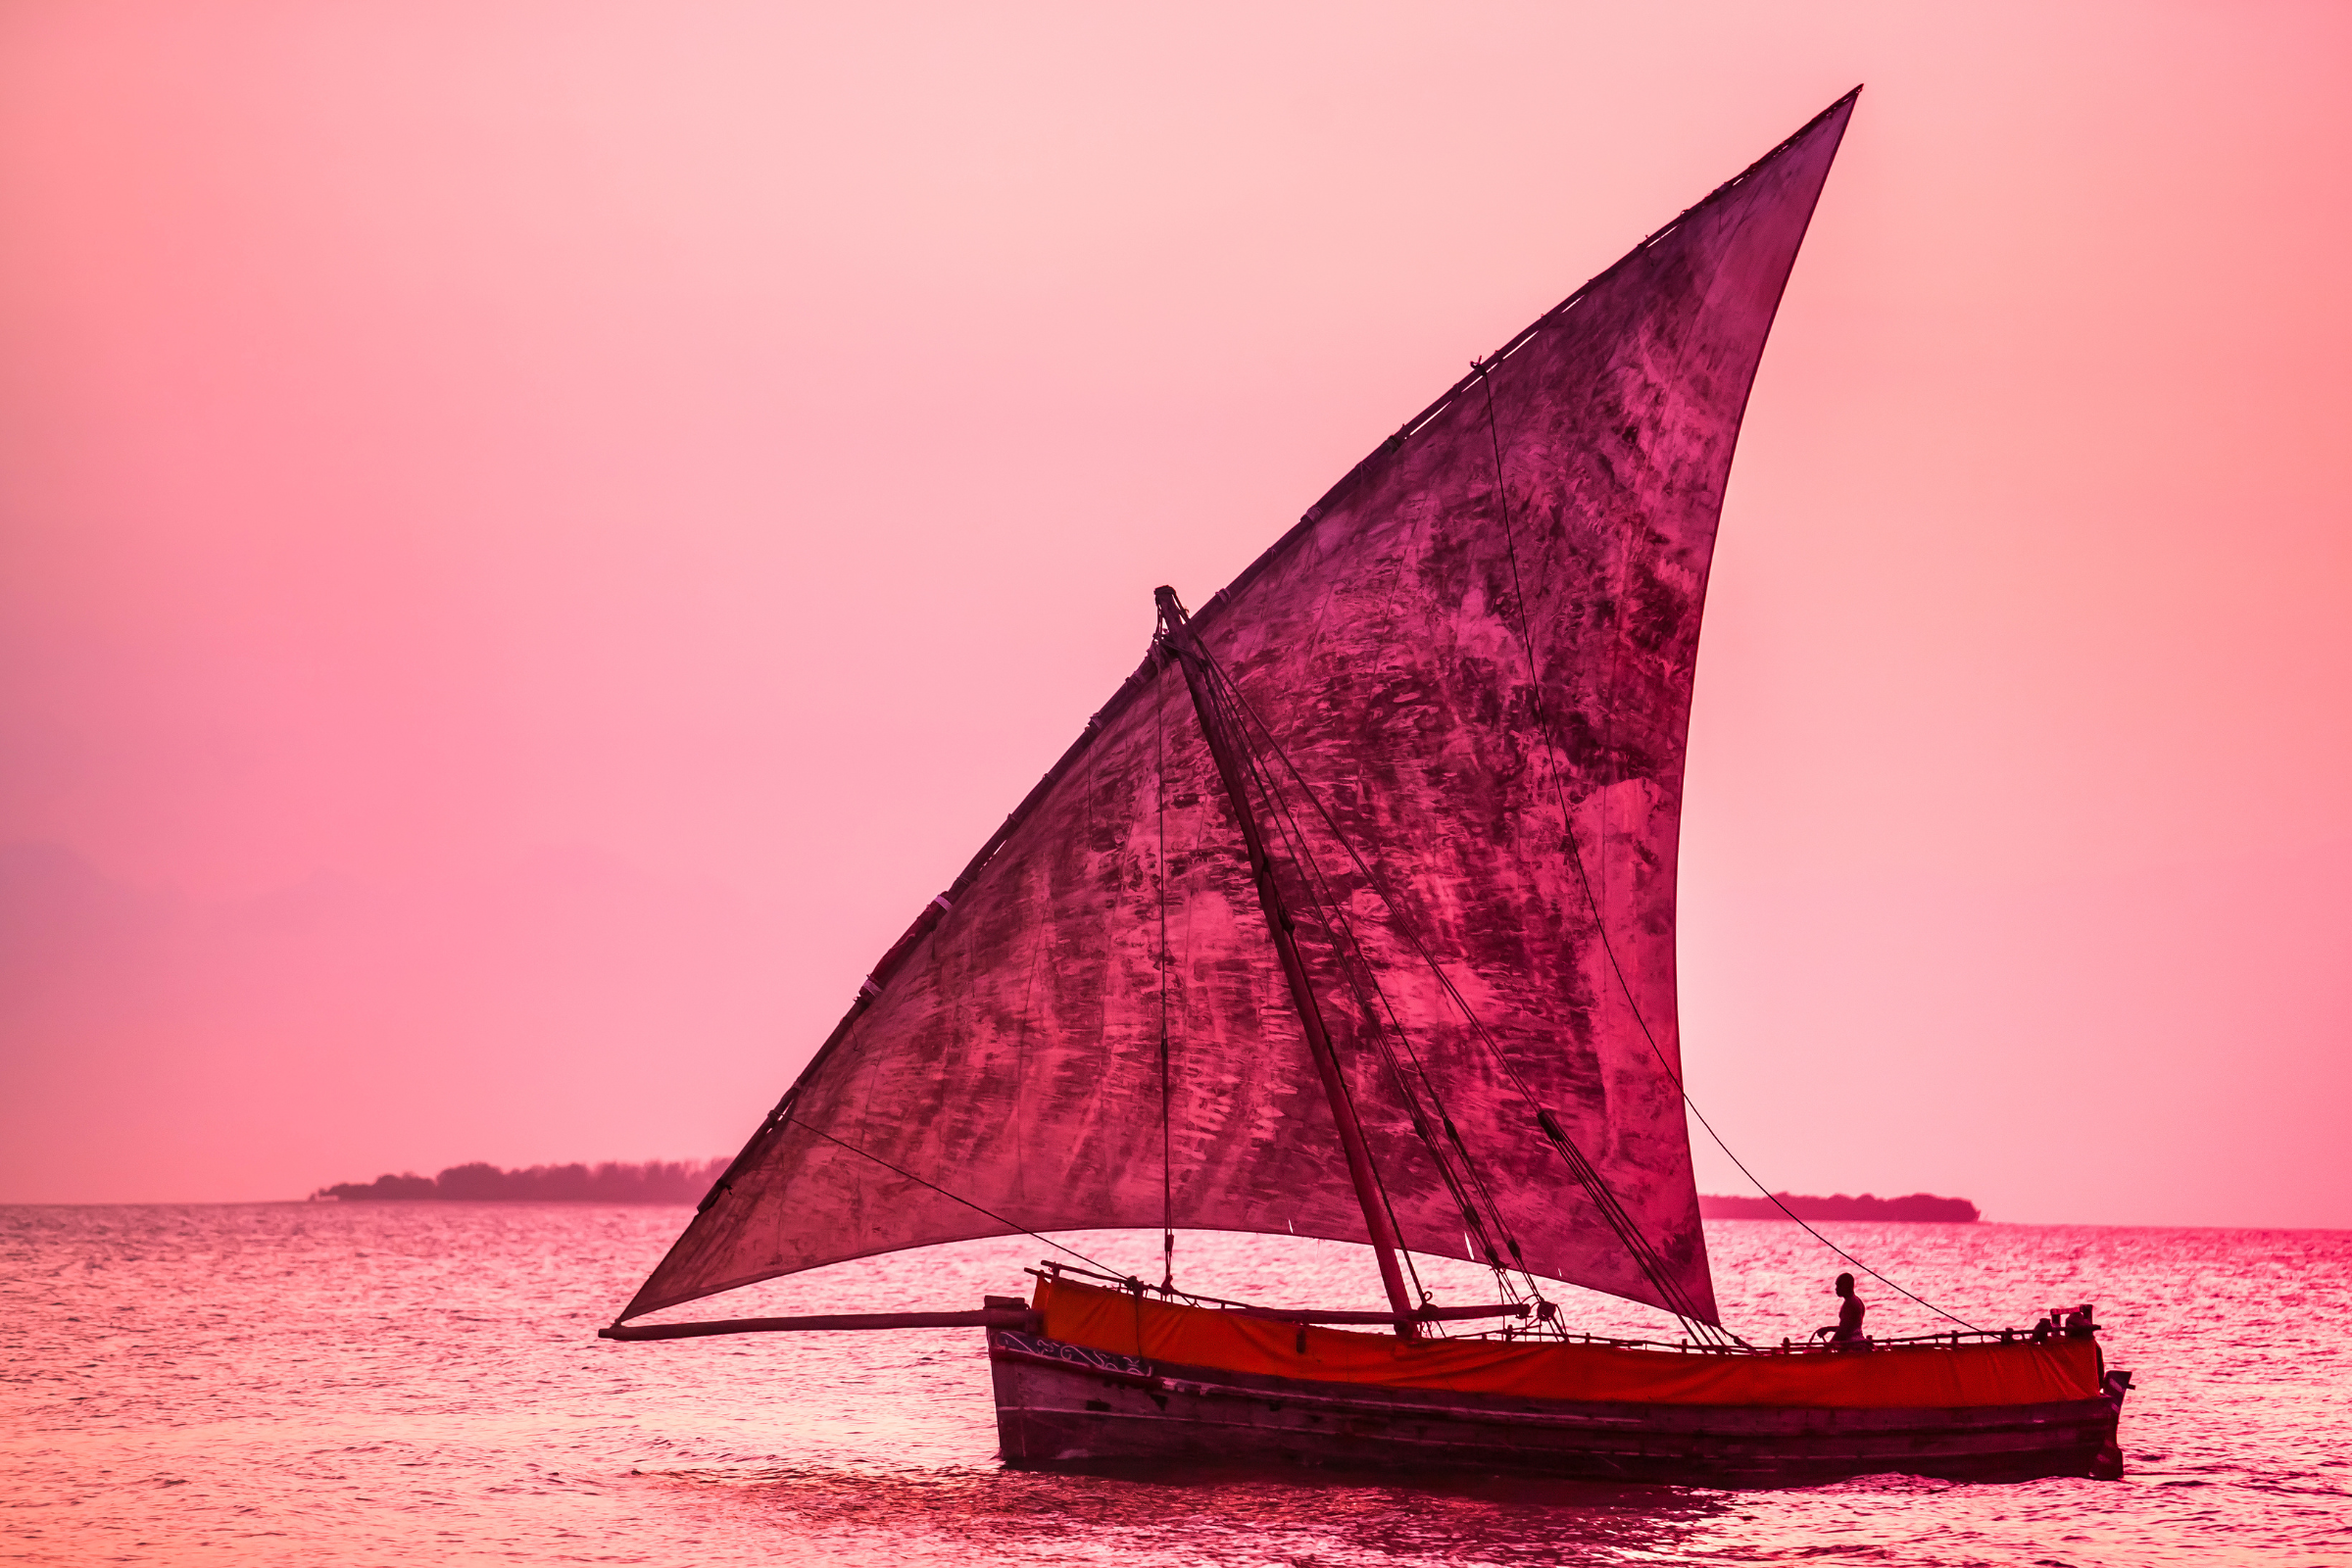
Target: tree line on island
x,y
612,1182
1918,1208
686,1181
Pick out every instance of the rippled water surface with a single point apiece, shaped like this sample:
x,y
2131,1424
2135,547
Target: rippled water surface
x,y
419,1383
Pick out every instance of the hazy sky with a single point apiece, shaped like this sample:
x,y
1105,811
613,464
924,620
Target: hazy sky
x,y
533,537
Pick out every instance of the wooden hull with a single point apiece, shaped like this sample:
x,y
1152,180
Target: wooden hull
x,y
1061,1406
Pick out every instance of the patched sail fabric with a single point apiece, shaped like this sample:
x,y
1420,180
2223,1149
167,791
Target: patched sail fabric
x,y
1465,677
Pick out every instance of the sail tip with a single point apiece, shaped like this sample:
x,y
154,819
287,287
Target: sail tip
x,y
1839,105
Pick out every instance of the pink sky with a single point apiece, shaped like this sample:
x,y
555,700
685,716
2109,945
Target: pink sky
x,y
534,536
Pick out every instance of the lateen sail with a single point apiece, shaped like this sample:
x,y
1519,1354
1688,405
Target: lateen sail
x,y
1468,672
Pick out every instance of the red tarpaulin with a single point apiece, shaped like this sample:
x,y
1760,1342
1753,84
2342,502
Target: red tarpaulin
x,y
1899,1376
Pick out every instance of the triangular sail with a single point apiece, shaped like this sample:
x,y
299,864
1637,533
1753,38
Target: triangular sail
x,y
1467,673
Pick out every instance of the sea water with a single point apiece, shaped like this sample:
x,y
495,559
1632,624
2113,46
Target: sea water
x,y
420,1383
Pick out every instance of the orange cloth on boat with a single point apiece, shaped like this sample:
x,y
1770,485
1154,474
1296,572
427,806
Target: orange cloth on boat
x,y
1903,1377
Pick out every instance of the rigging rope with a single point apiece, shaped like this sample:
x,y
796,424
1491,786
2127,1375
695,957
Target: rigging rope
x,y
1484,369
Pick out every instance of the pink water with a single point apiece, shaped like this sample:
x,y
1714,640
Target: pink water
x,y
284,1383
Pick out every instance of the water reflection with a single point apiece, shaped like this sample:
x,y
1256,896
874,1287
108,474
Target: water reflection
x,y
1180,1514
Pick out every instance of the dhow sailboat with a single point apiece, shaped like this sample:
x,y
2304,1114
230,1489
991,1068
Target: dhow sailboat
x,y
1351,915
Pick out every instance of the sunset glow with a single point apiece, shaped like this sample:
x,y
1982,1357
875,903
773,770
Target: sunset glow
x,y
533,538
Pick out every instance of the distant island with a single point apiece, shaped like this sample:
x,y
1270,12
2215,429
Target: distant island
x,y
656,1182
1918,1208
686,1181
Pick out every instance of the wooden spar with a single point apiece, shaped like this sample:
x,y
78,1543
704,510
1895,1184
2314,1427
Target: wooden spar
x,y
1385,1245
1020,1319
986,1318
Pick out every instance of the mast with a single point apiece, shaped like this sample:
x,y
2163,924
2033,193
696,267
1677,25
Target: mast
x,y
1385,1247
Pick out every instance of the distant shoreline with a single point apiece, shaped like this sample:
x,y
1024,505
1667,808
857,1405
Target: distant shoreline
x,y
1917,1209
612,1182
687,1180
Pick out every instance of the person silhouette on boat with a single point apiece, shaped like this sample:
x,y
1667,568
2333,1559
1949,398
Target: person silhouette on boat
x,y
1846,1334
